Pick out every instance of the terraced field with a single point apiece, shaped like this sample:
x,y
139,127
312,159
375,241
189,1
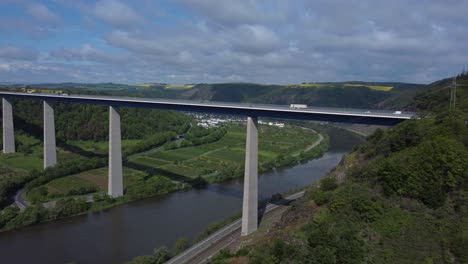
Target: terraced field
x,y
96,178
100,147
229,151
373,87
324,85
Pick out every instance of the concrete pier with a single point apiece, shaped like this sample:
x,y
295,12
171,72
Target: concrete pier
x,y
50,149
8,131
250,201
115,188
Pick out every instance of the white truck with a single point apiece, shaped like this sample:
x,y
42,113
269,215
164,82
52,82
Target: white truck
x,y
397,113
298,106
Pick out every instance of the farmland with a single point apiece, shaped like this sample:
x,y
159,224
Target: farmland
x,y
382,88
373,87
213,162
29,155
165,86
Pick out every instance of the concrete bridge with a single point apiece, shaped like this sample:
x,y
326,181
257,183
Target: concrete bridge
x,y
251,111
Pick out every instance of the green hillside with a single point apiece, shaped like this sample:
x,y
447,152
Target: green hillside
x,y
402,197
353,94
343,94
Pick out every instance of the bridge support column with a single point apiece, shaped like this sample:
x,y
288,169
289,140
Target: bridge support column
x,y
8,131
50,150
115,188
250,201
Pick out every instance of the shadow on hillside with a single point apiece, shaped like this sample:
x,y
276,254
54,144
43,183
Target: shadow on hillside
x,y
158,171
262,207
36,131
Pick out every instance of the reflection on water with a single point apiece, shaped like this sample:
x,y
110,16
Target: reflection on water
x,y
120,233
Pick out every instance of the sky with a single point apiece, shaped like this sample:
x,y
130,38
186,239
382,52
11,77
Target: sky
x,y
209,41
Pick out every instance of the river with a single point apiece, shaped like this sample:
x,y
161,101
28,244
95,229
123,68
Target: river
x,y
118,234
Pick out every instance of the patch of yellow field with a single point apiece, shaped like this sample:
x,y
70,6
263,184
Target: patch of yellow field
x,y
307,85
373,87
169,86
146,85
44,91
185,86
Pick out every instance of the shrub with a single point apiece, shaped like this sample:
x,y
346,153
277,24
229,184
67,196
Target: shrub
x,y
180,246
328,183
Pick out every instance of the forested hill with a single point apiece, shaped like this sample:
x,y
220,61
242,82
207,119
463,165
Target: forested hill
x,y
402,197
436,100
348,94
90,122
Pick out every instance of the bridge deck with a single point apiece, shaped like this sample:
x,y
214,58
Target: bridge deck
x,y
342,115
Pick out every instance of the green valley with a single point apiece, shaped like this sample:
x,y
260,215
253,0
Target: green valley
x,y
156,159
182,166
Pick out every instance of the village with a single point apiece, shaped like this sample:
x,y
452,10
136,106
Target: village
x,y
209,120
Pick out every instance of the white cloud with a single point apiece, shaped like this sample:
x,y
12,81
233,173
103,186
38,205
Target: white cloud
x,y
272,41
116,13
254,39
232,13
41,13
5,67
88,53
15,53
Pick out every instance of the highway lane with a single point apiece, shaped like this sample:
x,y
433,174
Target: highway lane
x,y
234,227
265,110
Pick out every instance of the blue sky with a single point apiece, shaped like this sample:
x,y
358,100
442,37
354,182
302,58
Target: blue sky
x,y
265,41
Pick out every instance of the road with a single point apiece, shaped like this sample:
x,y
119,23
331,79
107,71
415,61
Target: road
x,y
227,234
316,143
19,201
363,116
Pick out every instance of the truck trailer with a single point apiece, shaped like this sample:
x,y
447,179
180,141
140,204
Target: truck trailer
x,y
297,106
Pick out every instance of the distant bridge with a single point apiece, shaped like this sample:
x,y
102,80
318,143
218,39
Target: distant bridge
x,y
251,111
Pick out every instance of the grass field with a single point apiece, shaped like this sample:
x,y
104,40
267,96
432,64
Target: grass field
x,y
228,154
93,178
373,87
25,161
100,147
309,85
99,176
316,85
185,86
168,86
31,157
62,186
146,85
150,161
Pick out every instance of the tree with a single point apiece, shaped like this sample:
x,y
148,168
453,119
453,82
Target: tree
x,y
161,255
7,214
142,260
180,245
328,184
